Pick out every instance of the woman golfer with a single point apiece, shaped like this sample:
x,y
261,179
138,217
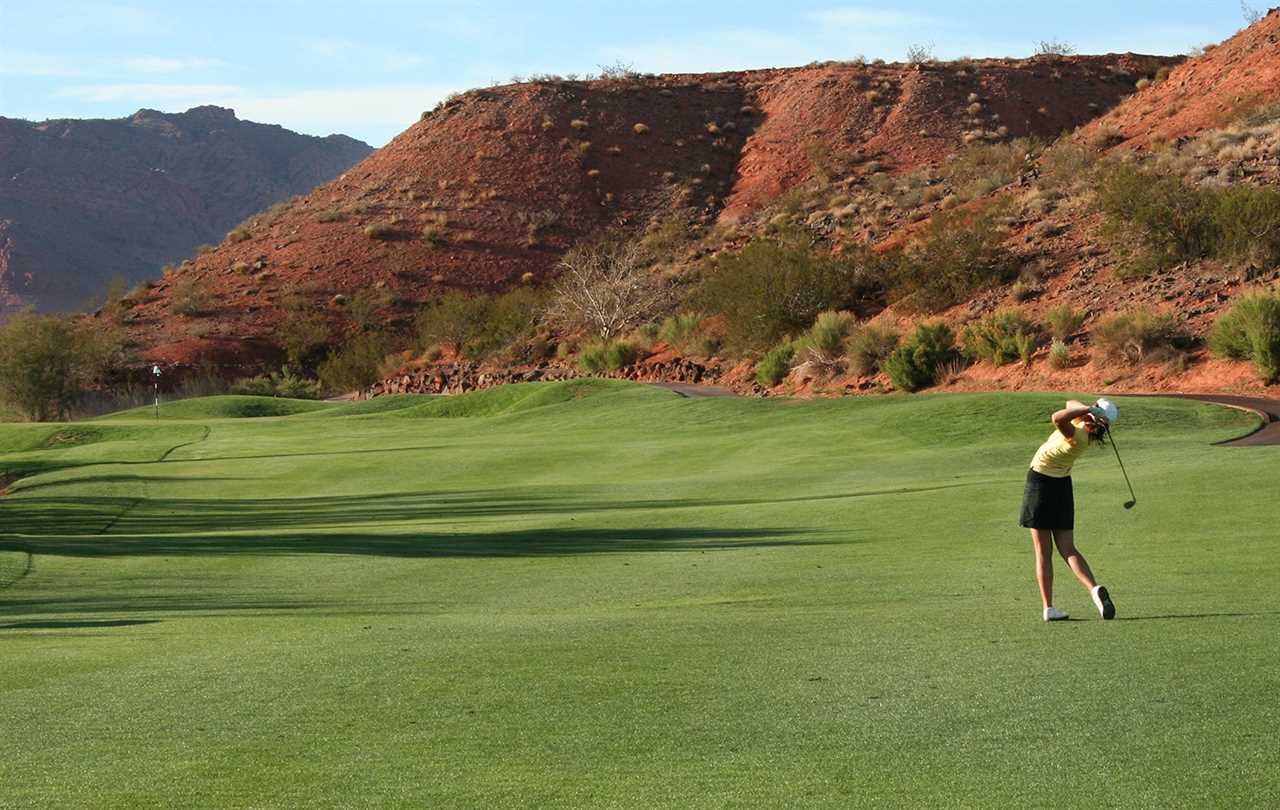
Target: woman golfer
x,y
1048,507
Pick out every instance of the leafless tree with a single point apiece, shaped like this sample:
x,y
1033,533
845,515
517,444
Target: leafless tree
x,y
607,287
1251,14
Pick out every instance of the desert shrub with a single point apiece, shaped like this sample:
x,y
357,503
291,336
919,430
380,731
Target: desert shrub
x,y
451,320
189,295
952,259
776,364
1059,354
1067,164
302,332
870,346
1249,220
1054,47
363,306
1139,336
356,364
1063,321
1000,338
825,341
1157,218
481,326
916,363
612,355
331,215
48,363
240,233
1250,330
381,231
981,168
776,287
1161,220
282,383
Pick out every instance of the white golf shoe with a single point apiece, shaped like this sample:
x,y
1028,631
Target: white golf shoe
x,y
1052,614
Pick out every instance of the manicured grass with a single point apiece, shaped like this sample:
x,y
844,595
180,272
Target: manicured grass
x,y
602,595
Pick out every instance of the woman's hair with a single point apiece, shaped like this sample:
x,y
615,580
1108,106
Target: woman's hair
x,y
1097,433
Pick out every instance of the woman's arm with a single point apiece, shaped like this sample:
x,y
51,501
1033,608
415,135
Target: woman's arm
x,y
1062,419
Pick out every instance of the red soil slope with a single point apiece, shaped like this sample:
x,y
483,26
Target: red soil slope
x,y
83,201
1236,78
509,178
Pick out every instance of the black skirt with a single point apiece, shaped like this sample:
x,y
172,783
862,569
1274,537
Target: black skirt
x,y
1047,502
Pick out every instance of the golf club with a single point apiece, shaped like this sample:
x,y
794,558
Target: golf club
x,y
1133,499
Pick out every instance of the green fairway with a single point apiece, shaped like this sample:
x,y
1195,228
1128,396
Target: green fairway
x,y
602,595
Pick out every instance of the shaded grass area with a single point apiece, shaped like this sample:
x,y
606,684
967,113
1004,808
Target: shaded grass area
x,y
543,598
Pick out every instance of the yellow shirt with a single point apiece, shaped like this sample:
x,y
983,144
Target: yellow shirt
x,y
1058,453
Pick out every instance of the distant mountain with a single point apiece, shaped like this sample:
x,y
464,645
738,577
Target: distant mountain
x,y
85,201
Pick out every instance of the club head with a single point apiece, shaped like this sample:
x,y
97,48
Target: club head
x,y
1129,504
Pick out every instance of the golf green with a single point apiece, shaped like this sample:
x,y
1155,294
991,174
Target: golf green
x,y
597,594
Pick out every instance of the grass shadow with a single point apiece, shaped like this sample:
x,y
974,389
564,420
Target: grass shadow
x,y
416,544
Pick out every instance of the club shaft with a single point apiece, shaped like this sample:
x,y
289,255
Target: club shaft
x,y
1122,469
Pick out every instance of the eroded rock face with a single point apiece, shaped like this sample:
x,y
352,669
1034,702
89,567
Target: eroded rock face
x,y
85,201
489,190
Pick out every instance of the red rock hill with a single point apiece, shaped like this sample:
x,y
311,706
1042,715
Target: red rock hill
x,y
496,184
83,201
1234,79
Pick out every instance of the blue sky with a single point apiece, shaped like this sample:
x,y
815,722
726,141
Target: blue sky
x,y
367,69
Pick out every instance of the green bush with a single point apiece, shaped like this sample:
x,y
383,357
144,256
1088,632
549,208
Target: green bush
x,y
604,356
870,346
775,287
951,260
1059,354
48,364
1250,330
915,364
282,383
1157,218
1249,219
1000,338
776,364
480,327
303,333
1161,220
356,365
1063,321
1139,336
825,341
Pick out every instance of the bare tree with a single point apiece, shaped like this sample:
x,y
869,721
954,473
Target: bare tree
x,y
919,54
607,287
1251,14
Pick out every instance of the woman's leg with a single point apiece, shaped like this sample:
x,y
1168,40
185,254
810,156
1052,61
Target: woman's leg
x,y
1065,540
1043,541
